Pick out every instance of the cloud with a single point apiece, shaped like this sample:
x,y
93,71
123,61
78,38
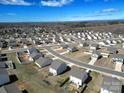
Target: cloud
x,y
55,3
104,12
14,2
107,11
11,14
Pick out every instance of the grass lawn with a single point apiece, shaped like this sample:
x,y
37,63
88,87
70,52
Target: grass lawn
x,y
30,79
95,84
79,55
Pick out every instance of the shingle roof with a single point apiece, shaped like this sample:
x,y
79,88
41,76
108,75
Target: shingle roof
x,y
118,56
3,71
112,84
111,49
78,73
11,88
42,60
31,50
56,64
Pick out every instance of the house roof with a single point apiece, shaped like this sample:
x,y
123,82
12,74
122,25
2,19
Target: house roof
x,y
112,84
3,71
94,45
76,72
42,60
2,64
11,88
111,49
118,56
31,50
96,52
36,55
56,64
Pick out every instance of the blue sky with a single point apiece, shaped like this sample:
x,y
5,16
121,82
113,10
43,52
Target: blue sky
x,y
60,10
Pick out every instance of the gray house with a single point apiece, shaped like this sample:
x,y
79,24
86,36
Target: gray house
x,y
42,62
4,76
96,54
11,88
111,85
64,46
118,58
3,65
31,50
57,67
72,49
78,77
36,56
83,44
112,50
94,46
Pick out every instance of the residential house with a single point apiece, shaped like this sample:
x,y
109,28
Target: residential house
x,y
42,62
10,88
78,77
36,56
3,57
96,55
31,50
112,50
83,44
4,77
94,46
64,46
72,49
111,85
118,58
57,67
3,65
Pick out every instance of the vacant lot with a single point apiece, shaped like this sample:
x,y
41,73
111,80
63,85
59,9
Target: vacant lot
x,y
79,55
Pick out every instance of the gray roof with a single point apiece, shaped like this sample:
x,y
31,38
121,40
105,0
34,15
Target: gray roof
x,y
111,49
96,52
31,50
94,45
2,64
112,84
3,71
118,56
11,88
36,55
56,64
78,73
43,60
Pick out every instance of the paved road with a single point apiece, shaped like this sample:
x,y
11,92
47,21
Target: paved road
x,y
84,65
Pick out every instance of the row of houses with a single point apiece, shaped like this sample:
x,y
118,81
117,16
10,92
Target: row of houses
x,y
57,67
5,82
5,85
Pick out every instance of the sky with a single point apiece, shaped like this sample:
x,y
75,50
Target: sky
x,y
60,10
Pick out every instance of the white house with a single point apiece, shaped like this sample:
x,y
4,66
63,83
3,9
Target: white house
x,y
57,67
94,46
4,76
83,44
111,85
118,58
78,77
96,54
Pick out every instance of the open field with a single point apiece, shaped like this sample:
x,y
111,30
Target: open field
x,y
79,55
